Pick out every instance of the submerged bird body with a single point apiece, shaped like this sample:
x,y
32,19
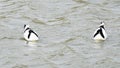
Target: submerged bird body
x,y
100,33
29,34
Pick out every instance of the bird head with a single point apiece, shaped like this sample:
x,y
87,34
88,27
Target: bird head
x,y
26,26
102,25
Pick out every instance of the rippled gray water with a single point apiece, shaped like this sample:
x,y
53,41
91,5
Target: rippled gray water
x,y
65,28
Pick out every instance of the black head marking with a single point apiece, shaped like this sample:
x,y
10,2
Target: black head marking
x,y
24,25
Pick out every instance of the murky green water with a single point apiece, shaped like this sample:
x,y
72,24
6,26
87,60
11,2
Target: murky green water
x,y
65,28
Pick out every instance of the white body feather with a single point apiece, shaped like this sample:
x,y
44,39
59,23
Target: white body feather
x,y
98,36
32,37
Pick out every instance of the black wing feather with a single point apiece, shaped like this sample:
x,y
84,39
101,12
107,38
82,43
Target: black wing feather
x,y
31,31
101,33
97,32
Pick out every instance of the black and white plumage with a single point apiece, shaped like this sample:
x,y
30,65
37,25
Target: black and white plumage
x,y
100,33
29,34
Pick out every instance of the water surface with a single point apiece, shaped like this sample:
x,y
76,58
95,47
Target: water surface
x,y
65,28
